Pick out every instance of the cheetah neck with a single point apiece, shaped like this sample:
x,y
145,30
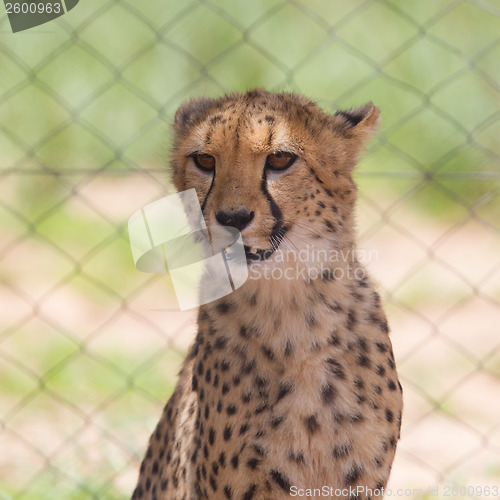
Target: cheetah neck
x,y
291,320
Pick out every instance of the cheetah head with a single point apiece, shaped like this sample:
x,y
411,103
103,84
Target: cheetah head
x,y
274,166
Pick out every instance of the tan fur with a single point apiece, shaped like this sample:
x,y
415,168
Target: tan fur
x,y
290,382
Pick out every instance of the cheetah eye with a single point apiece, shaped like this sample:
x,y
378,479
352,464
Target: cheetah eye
x,y
280,160
204,162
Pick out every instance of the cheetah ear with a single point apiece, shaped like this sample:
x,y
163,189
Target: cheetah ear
x,y
358,122
189,112
356,126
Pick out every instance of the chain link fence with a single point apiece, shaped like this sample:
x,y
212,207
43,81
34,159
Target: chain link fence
x,y
90,347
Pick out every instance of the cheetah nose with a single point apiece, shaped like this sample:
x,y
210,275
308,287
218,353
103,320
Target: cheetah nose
x,y
239,219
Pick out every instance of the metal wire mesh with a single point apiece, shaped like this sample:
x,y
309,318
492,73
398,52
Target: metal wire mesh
x,y
90,347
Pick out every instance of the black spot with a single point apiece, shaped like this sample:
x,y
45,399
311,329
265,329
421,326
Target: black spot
x,y
381,323
235,460
222,459
288,348
364,361
297,457
391,364
351,320
244,332
244,428
353,474
330,227
260,382
328,192
354,293
311,320
195,383
363,283
253,300
231,410
281,480
276,421
225,388
380,370
260,409
389,416
224,307
356,418
285,388
268,352
328,275
328,393
215,119
250,492
312,424
225,365
213,484
219,406
253,463
208,376
363,346
342,450
336,368
248,367
220,343
381,347
200,368
211,435
359,383
333,339
227,433
259,450
228,492
391,385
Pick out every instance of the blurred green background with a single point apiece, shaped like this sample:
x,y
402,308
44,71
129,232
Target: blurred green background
x,y
89,347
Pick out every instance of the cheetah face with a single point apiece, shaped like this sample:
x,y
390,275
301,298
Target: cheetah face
x,y
274,166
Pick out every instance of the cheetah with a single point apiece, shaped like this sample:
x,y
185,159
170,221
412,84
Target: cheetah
x,y
290,387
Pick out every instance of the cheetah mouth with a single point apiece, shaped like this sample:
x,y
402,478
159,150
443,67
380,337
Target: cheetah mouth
x,y
255,254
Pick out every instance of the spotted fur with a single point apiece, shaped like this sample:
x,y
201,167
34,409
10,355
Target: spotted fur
x,y
290,382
